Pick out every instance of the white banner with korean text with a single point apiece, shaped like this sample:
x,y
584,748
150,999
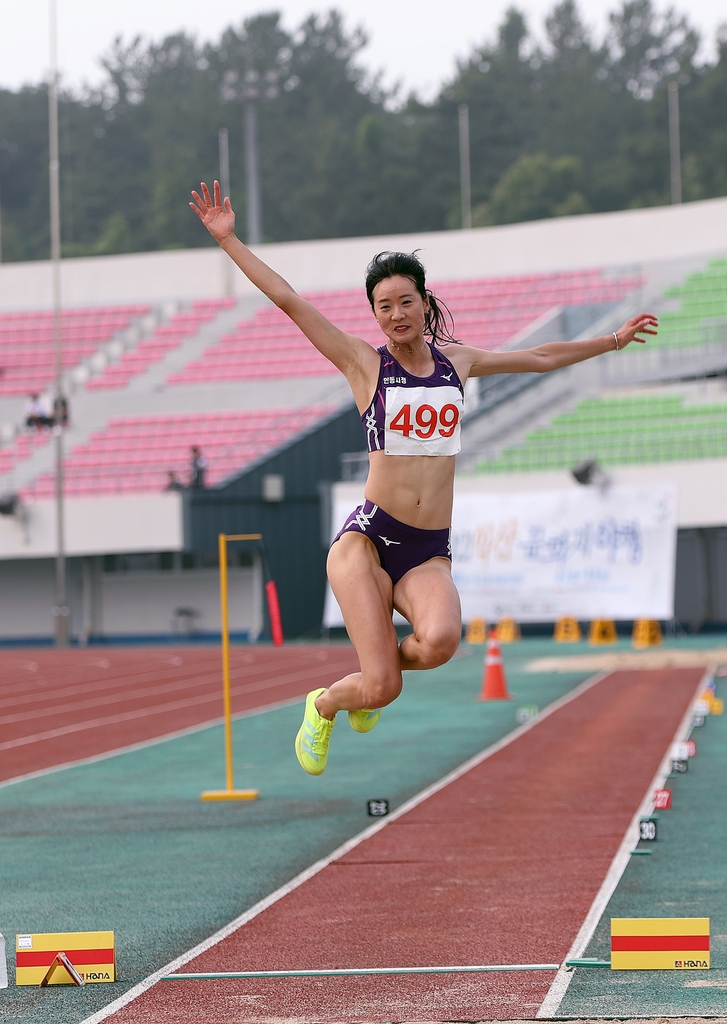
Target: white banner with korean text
x,y
535,557
586,553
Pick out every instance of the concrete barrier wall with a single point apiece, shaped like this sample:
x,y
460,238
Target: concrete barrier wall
x,y
143,604
101,525
181,603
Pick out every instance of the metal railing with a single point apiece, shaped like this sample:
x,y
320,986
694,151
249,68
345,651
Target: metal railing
x,y
666,362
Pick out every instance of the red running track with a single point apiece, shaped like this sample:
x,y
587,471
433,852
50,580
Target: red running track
x,y
60,706
501,866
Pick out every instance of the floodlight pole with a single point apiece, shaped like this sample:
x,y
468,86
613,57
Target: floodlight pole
x,y
675,152
252,165
60,611
249,92
224,147
224,144
465,185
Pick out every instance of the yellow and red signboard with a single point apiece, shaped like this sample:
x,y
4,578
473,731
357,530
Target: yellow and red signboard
x,y
92,954
659,943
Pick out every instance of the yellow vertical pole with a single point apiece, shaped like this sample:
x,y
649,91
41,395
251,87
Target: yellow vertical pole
x,y
227,700
230,793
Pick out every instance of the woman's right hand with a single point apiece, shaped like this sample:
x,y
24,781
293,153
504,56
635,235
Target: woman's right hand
x,y
217,217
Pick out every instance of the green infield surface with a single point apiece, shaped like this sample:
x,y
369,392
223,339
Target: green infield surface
x,y
126,843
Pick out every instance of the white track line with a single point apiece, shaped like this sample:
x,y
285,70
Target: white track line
x,y
143,744
359,972
556,992
342,850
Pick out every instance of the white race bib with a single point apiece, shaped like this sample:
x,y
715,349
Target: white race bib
x,y
423,421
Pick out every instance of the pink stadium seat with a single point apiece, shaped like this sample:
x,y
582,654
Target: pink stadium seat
x,y
134,454
166,337
488,314
27,360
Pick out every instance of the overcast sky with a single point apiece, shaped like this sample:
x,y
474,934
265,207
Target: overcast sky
x,y
416,42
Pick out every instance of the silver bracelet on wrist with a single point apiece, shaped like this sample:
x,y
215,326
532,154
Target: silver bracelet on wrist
x,y
615,337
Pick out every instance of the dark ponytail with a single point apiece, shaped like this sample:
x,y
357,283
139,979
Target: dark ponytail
x,y
439,322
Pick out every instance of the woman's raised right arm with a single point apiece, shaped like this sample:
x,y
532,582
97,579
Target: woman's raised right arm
x,y
351,355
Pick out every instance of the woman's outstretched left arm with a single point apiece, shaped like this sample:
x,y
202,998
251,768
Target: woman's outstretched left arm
x,y
555,354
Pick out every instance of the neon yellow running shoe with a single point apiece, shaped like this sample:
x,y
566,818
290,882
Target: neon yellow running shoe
x,y
311,743
364,720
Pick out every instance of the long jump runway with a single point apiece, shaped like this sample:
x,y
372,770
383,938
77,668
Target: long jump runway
x,y
58,706
500,866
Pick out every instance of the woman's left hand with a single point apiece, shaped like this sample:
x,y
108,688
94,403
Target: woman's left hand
x,y
640,324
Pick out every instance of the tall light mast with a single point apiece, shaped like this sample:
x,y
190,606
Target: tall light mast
x,y
60,611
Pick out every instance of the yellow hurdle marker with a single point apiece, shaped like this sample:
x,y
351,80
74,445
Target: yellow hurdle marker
x,y
508,631
646,633
567,631
602,631
476,632
659,943
230,793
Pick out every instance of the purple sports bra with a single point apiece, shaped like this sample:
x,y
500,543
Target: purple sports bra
x,y
411,415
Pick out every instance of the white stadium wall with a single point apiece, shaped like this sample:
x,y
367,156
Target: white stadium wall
x,y
139,604
115,604
96,526
181,603
624,238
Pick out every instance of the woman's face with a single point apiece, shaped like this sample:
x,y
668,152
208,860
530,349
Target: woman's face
x,y
400,310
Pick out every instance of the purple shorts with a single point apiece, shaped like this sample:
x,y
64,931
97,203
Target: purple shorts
x,y
400,547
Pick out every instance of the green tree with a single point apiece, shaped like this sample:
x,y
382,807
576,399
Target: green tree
x,y
537,186
561,126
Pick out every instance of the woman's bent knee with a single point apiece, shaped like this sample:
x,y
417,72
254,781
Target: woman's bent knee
x,y
438,646
378,691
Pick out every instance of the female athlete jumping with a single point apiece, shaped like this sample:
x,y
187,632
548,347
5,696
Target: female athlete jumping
x,y
393,551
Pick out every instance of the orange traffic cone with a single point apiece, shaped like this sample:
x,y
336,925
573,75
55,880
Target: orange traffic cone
x,y
494,684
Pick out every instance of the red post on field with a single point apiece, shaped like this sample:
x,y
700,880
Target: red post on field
x,y
494,684
276,625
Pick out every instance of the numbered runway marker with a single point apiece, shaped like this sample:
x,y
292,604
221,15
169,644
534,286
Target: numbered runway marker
x,y
377,808
647,830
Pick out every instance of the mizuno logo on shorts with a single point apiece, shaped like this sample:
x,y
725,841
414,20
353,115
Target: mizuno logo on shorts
x,y
387,541
362,519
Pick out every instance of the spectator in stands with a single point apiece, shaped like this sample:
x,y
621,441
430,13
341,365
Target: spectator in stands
x,y
198,468
173,482
394,549
36,414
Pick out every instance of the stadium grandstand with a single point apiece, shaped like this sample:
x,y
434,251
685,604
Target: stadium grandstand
x,y
165,351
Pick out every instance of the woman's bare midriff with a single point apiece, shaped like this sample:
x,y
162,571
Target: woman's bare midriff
x,y
415,489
